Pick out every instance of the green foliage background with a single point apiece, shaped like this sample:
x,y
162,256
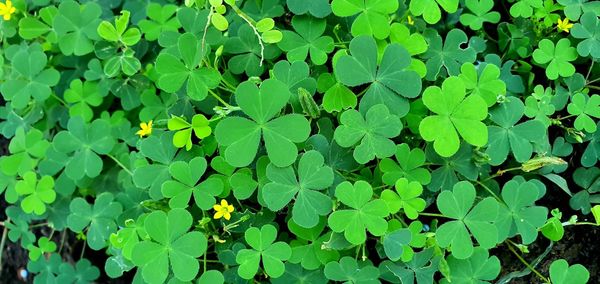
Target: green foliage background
x,y
359,141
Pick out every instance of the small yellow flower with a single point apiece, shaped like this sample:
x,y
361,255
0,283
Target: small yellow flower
x,y
7,9
223,210
410,20
146,129
564,25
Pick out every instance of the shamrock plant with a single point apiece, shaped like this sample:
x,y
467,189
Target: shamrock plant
x,y
300,141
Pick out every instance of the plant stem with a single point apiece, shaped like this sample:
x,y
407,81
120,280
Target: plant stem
x,y
489,190
589,70
501,172
510,247
216,96
594,87
82,250
2,242
251,23
433,215
120,164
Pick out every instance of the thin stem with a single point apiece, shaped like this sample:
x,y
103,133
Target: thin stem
x,y
433,215
216,96
580,223
589,70
120,164
211,11
82,250
204,266
62,241
489,190
59,99
510,247
251,23
2,242
501,172
594,87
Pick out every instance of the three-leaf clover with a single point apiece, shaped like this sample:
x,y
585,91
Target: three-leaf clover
x,y
453,113
479,268
86,142
83,96
242,136
186,182
373,132
25,150
170,246
263,247
557,57
347,270
430,9
366,214
524,8
173,73
562,273
485,83
391,83
317,8
45,245
37,193
588,29
160,19
308,39
508,136
448,53
407,198
372,16
183,137
119,31
409,166
481,14
303,188
458,204
75,25
100,218
336,97
584,106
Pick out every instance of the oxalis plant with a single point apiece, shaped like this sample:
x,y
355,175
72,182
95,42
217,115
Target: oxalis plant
x,y
298,141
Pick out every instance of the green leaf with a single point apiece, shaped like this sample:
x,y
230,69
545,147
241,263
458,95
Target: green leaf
x,y
372,19
430,9
173,73
317,8
557,57
479,268
574,8
26,149
407,198
421,268
524,8
485,82
458,204
409,166
454,115
508,136
99,218
37,193
264,247
160,19
308,39
246,52
482,13
562,273
171,247
83,272
584,106
75,26
365,214
242,136
373,132
83,96
336,97
303,188
183,137
45,245
348,271
394,242
390,84
448,53
539,105
186,181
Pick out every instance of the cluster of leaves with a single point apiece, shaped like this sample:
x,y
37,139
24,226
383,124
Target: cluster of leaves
x,y
298,140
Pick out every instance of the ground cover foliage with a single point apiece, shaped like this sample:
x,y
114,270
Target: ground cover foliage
x,y
298,141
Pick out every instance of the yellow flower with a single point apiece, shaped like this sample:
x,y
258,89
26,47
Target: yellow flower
x,y
146,129
7,9
410,20
223,210
564,25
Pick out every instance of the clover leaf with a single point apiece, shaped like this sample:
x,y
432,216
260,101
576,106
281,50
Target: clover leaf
x,y
45,245
420,269
183,137
373,132
479,268
524,8
539,104
447,53
394,242
86,142
308,249
170,247
75,26
452,169
294,274
481,14
588,29
347,269
520,215
160,19
557,57
407,198
336,97
372,16
409,166
25,149
458,204
83,272
242,136
83,96
390,84
366,214
160,151
485,82
308,39
584,106
453,113
264,247
430,9
317,8
508,136
29,78
119,31
37,193
173,73
562,273
303,188
99,218
247,52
